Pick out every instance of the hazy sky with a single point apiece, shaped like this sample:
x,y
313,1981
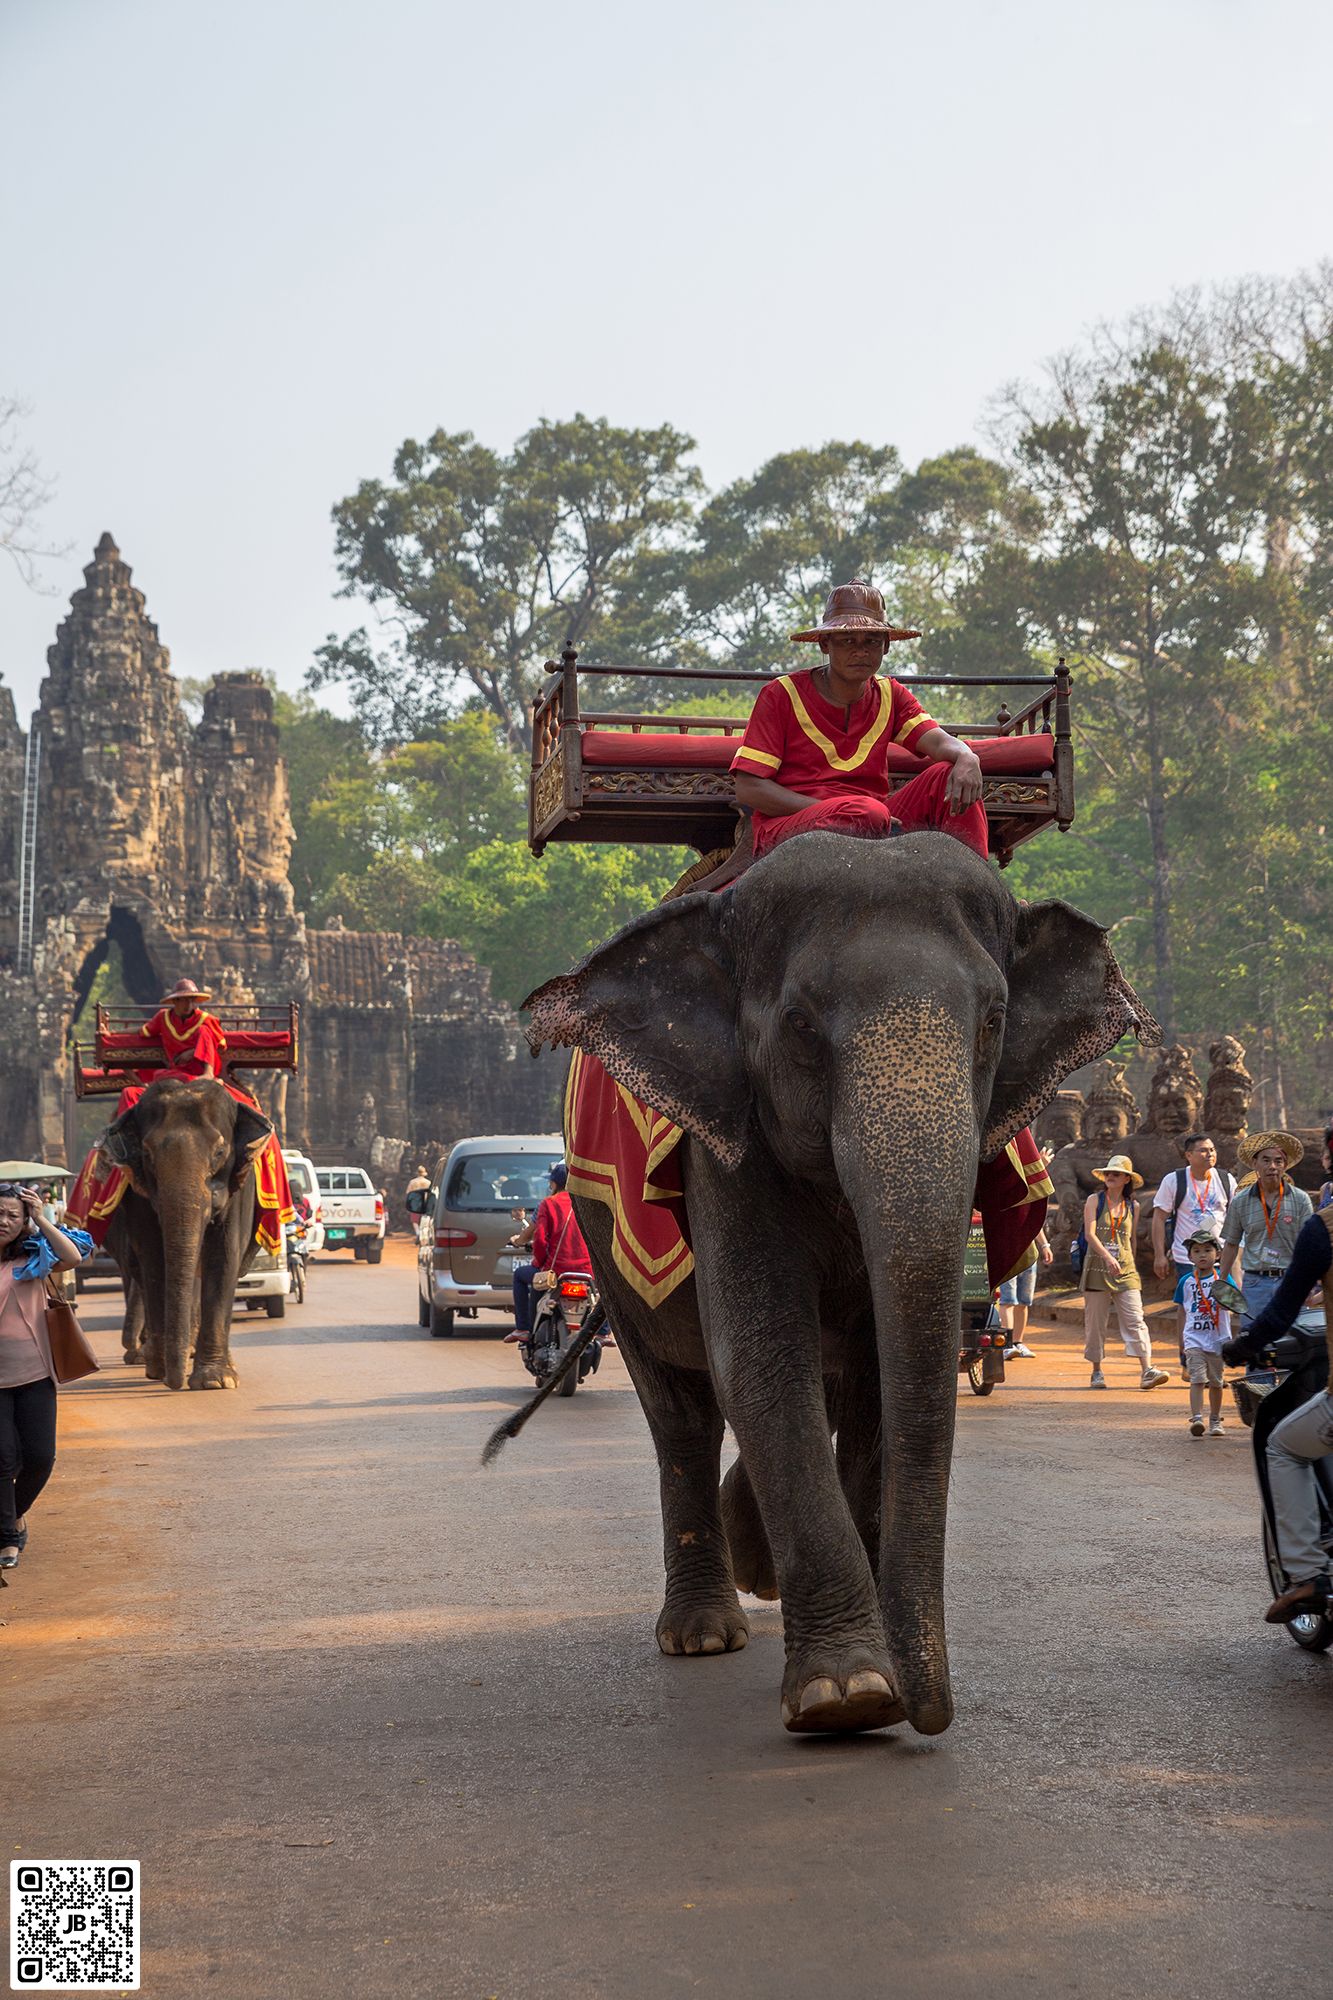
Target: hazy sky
x,y
247,249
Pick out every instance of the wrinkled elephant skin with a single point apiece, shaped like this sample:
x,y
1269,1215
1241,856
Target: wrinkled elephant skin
x,y
843,1035
185,1228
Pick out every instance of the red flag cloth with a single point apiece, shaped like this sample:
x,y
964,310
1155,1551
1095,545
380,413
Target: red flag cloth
x,y
97,1192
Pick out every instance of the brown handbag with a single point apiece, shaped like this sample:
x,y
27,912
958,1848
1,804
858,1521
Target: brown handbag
x,y
70,1351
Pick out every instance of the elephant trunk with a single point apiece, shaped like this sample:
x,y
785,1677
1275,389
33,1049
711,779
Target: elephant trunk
x,y
183,1213
905,1140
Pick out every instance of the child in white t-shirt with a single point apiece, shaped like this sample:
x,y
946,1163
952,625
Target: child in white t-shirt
x,y
1206,1327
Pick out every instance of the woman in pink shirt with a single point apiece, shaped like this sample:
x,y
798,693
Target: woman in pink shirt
x,y
31,1247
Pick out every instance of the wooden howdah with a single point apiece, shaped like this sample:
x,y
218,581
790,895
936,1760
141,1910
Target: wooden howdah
x,y
258,1037
642,791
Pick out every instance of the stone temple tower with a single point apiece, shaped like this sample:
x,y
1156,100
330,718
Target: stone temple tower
x,y
172,844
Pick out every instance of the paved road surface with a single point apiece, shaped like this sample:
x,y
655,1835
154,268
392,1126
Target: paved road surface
x,y
380,1724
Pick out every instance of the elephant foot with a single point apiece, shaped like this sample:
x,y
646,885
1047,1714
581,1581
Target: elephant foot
x,y
154,1367
133,1357
213,1375
752,1565
702,1627
839,1701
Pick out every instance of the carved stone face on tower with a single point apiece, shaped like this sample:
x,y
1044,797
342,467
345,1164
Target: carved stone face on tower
x,y
1175,1097
1112,1113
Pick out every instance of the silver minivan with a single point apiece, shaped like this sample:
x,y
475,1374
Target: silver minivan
x,y
480,1194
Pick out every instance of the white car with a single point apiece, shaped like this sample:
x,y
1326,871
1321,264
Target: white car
x,y
353,1212
301,1174
266,1283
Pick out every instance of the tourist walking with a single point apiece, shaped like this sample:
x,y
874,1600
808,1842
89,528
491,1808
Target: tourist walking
x,y
1265,1217
1016,1296
1111,1287
31,1247
1206,1331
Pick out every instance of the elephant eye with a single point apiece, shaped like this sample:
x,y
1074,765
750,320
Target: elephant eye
x,y
799,1023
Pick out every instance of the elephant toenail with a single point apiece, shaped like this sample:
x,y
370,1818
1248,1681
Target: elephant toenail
x,y
817,1693
712,1642
867,1682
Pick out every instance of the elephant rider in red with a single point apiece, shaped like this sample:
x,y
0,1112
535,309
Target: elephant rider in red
x,y
191,1039
814,755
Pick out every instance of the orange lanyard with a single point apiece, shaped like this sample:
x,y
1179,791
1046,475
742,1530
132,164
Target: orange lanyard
x,y
1201,1199
1270,1221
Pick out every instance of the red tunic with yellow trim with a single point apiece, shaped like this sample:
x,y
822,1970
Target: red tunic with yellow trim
x,y
803,741
190,1046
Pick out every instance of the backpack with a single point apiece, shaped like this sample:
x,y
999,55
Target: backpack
x,y
1182,1181
1078,1249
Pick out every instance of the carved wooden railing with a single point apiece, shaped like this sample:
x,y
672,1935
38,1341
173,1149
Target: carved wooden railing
x,y
695,803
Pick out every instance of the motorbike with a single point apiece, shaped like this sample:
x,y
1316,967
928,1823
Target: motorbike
x,y
982,1340
298,1253
1294,1369
558,1319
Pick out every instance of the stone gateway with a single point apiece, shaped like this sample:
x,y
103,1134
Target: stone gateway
x,y
171,843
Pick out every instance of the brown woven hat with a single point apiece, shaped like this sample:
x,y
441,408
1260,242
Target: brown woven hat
x,y
1293,1152
185,989
854,607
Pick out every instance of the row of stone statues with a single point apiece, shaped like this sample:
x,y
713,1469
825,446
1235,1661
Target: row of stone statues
x,y
1085,1131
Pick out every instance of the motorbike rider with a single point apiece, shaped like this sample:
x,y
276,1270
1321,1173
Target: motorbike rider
x,y
557,1245
1303,1437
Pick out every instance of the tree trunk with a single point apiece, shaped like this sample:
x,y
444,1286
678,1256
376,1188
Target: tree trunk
x,y
1164,989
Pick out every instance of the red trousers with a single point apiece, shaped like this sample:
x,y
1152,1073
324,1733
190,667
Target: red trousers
x,y
920,803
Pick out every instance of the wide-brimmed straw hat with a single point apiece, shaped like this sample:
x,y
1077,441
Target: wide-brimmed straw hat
x,y
1119,1163
855,607
1293,1152
185,989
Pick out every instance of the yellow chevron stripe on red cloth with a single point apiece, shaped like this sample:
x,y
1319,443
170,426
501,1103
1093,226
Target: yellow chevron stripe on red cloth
x,y
623,1154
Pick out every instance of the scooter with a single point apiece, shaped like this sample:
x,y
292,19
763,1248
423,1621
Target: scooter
x,y
1294,1369
561,1310
981,1355
298,1252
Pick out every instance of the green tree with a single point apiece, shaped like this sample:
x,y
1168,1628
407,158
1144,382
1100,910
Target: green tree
x,y
481,565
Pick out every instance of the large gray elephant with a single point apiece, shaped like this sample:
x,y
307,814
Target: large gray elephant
x,y
843,1035
185,1228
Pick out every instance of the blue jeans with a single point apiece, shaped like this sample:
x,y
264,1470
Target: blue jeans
x,y
1258,1293
523,1277
1021,1289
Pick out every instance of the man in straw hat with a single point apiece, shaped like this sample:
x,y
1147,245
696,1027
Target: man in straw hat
x,y
191,1039
815,753
1265,1217
1110,1276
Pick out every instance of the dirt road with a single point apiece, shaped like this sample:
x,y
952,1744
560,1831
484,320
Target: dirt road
x,y
377,1723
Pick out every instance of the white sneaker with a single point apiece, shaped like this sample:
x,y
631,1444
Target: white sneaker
x,y
1196,1427
1022,1350
1098,1379
1153,1378
1217,1429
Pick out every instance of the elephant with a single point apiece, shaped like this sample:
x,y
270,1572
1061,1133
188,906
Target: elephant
x,y
843,1035
185,1227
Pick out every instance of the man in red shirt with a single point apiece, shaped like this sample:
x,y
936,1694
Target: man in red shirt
x,y
815,750
557,1245
191,1039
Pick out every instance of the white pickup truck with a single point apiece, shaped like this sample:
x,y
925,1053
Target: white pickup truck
x,y
353,1211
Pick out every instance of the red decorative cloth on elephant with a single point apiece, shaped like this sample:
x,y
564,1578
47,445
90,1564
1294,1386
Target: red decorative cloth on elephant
x,y
803,741
625,1155
621,1153
97,1192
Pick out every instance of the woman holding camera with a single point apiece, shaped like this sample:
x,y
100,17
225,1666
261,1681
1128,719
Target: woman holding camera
x,y
31,1247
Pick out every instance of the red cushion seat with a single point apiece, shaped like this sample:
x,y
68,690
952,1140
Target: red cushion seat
x,y
622,749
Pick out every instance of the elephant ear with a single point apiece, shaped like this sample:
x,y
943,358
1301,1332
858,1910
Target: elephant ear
x,y
1069,1003
253,1132
657,1007
122,1145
